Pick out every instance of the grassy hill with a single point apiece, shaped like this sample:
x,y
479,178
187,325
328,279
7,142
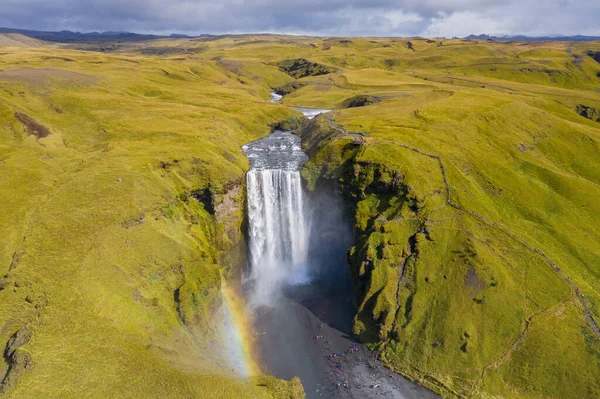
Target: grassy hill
x,y
476,202
120,192
474,195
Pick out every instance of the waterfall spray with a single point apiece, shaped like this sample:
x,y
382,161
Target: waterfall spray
x,y
278,226
236,331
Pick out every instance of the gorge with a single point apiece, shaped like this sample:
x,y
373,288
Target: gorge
x,y
298,285
166,236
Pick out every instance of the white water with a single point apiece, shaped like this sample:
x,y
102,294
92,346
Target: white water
x,y
311,113
278,226
275,98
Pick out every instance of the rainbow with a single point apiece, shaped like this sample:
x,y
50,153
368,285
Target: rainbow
x,y
239,334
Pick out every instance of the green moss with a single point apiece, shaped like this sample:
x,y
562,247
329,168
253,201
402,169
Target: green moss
x,y
120,263
100,228
289,124
427,273
300,68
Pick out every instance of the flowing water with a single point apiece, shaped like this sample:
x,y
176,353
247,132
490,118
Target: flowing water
x,y
298,284
275,98
311,113
278,227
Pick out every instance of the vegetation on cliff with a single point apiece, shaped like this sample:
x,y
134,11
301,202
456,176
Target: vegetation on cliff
x,y
475,268
474,192
121,190
300,68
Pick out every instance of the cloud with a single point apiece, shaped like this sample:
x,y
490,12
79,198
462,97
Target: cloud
x,y
315,17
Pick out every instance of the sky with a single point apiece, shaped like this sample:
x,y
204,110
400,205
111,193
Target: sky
x,y
430,18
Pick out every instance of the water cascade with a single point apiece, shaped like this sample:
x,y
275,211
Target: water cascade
x,y
299,286
278,224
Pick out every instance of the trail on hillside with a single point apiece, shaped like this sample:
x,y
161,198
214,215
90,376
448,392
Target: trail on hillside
x,y
365,140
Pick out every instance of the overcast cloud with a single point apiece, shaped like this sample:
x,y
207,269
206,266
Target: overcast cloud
x,y
313,17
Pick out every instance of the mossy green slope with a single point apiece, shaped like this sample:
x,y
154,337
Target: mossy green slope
x,y
476,288
111,265
475,196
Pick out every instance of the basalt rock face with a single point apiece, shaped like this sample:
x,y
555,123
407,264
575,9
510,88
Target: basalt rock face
x,y
595,55
387,223
212,216
588,112
431,289
230,214
383,262
301,67
17,359
226,206
289,88
315,135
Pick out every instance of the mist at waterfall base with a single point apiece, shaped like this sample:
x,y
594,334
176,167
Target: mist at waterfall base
x,y
298,283
297,260
295,240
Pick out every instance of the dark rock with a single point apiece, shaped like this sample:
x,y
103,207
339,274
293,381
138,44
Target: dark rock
x,y
290,87
18,339
205,197
595,55
229,156
134,220
389,63
4,283
480,301
137,295
31,126
301,67
18,360
360,100
588,112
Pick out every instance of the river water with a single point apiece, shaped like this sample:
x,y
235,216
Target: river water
x,y
298,284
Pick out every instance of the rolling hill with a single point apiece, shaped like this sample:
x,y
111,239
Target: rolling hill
x,y
473,194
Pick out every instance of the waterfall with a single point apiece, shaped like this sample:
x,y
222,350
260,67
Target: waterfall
x,y
278,226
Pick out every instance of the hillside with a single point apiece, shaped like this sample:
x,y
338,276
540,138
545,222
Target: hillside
x,y
111,263
474,195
